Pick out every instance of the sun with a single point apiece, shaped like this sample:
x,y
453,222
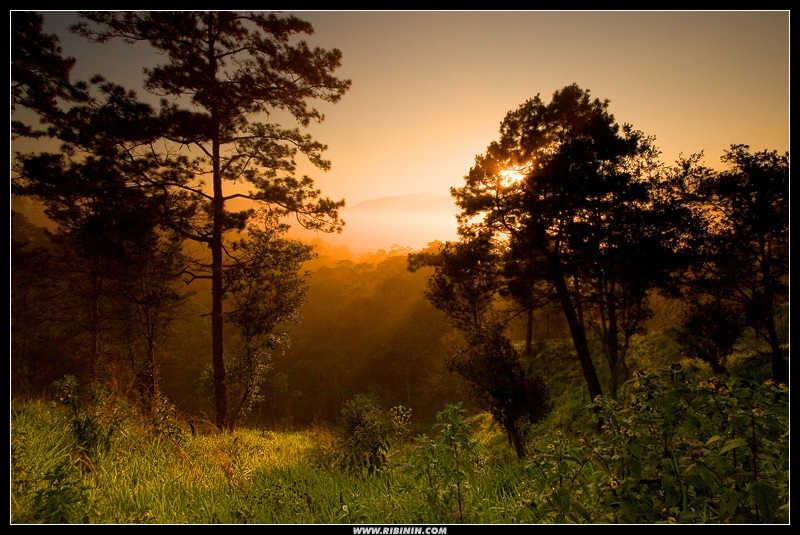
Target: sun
x,y
512,176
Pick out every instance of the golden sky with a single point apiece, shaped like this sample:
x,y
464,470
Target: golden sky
x,y
430,89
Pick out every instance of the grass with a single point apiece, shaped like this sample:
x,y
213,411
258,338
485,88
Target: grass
x,y
682,448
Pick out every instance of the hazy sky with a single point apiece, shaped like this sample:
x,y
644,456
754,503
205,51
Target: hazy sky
x,y
430,88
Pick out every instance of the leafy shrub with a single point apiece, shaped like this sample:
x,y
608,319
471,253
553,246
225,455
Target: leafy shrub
x,y
163,418
364,434
91,427
445,463
680,451
710,331
497,381
323,454
65,497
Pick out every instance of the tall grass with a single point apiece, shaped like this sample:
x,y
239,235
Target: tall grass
x,y
682,448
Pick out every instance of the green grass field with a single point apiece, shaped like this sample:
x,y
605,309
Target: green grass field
x,y
683,448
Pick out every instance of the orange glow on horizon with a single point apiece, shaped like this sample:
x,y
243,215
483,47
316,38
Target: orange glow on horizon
x,y
421,109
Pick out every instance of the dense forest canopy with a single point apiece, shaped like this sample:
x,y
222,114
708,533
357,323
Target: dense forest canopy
x,y
570,228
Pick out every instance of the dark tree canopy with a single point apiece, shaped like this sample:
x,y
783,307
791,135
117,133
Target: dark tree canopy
x,y
544,186
226,79
746,244
39,72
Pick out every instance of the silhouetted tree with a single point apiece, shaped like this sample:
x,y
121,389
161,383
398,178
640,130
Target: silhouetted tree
x,y
709,331
547,185
467,284
36,348
466,280
39,72
500,384
633,243
108,235
746,210
234,67
149,281
39,79
227,74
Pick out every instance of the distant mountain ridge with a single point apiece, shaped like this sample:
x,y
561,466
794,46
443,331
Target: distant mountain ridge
x,y
412,202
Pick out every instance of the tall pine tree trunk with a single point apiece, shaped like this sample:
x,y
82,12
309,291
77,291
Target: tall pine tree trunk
x,y
217,293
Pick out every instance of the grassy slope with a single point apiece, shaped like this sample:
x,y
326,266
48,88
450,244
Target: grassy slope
x,y
107,466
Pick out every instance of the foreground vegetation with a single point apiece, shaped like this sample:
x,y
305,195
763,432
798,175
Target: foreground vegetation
x,y
683,448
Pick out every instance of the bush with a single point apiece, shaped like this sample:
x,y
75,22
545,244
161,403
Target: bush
x,y
364,433
681,451
446,462
93,418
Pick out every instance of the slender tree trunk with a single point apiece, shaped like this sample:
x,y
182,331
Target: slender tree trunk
x,y
716,366
613,351
623,373
529,334
94,325
94,336
147,385
577,331
516,440
218,216
217,293
780,370
152,374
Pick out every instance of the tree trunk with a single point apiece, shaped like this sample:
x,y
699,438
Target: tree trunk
x,y
94,324
147,380
529,334
515,439
94,337
612,344
577,331
716,366
780,370
217,293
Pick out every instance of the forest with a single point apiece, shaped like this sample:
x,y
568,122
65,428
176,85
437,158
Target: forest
x,y
604,322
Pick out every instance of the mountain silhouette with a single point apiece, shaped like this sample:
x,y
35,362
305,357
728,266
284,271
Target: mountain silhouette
x,y
413,203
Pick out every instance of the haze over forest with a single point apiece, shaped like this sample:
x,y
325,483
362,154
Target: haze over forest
x,y
407,221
